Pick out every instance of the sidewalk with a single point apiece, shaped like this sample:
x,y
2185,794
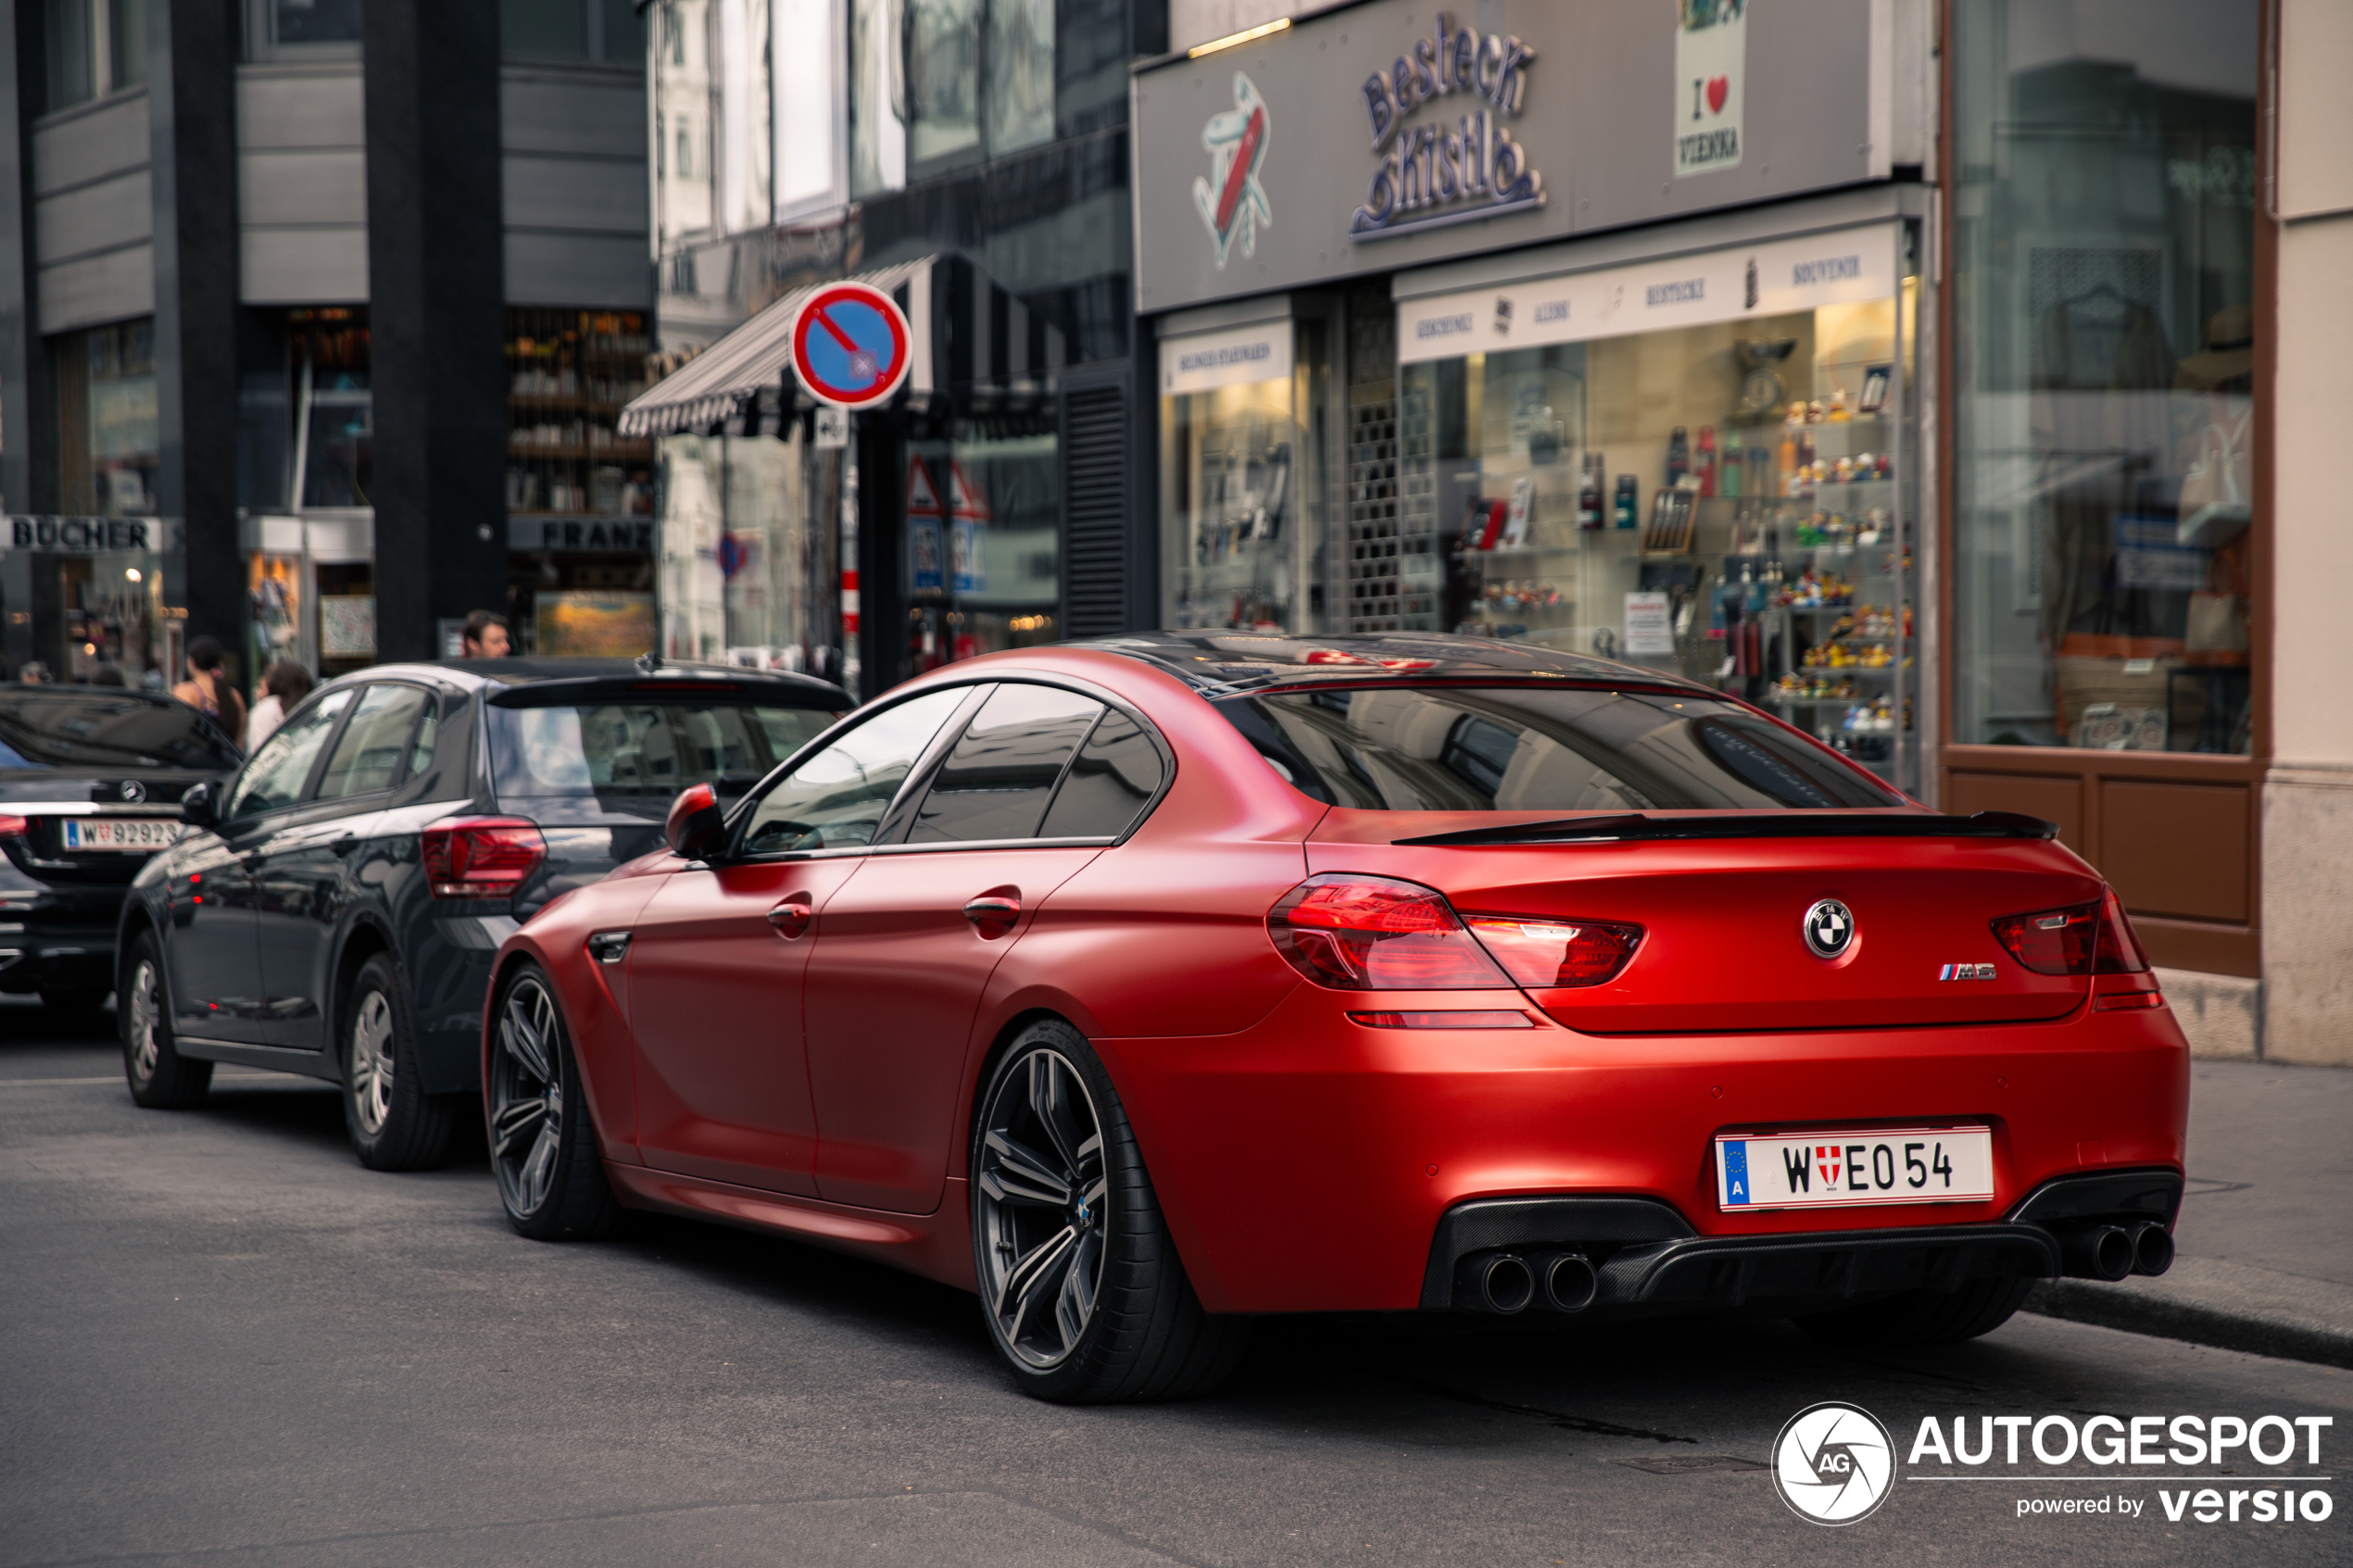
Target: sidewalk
x,y
2264,1245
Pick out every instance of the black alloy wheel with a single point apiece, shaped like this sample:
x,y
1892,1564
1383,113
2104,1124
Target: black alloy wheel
x,y
551,1180
1084,1296
160,1078
394,1125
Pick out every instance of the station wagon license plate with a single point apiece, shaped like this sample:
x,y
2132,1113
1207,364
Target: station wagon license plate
x,y
138,835
1828,1170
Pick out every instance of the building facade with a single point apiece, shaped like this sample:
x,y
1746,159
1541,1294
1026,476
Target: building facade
x,y
970,157
315,323
1906,367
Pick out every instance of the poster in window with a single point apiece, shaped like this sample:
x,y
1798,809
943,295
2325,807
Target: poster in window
x,y
347,625
1711,57
590,625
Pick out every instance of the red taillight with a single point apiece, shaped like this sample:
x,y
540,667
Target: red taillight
x,y
1373,934
2078,939
1551,953
2119,950
15,827
480,857
2052,941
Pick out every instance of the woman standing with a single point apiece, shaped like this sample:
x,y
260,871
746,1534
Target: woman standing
x,y
207,690
283,685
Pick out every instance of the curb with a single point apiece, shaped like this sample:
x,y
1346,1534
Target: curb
x,y
2138,1311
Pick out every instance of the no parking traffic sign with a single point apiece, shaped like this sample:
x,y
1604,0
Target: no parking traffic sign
x,y
850,345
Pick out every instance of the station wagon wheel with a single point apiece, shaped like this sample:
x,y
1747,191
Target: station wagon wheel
x,y
371,1064
1040,1207
1084,1296
160,1078
551,1180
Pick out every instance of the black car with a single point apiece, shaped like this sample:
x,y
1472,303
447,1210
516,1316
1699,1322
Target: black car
x,y
90,783
334,906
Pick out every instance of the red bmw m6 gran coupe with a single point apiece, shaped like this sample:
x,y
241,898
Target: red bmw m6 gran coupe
x,y
1146,985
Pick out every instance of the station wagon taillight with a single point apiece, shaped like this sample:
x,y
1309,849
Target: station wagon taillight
x,y
2092,938
480,857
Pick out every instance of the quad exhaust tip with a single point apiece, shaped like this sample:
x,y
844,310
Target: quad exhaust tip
x,y
1504,1283
2105,1251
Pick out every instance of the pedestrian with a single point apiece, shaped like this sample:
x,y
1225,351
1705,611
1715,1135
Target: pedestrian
x,y
33,673
484,636
283,685
207,690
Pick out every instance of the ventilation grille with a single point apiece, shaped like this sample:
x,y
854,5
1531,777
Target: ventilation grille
x,y
1095,512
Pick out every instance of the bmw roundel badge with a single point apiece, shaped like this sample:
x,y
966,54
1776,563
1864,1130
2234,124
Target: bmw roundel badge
x,y
1829,928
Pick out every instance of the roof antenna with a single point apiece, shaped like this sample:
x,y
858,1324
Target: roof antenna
x,y
648,662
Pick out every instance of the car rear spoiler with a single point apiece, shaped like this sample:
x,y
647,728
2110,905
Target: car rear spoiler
x,y
1635,826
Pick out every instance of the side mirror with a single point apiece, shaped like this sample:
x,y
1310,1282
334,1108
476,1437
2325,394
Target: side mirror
x,y
199,807
696,827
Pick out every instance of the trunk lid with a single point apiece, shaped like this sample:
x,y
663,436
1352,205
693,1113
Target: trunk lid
x,y
1723,948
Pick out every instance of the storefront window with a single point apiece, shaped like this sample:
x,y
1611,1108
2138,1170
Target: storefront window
x,y
983,548
1243,423
2104,287
741,568
1021,74
334,428
107,427
1726,500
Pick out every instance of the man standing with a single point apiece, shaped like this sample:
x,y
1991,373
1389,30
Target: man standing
x,y
484,636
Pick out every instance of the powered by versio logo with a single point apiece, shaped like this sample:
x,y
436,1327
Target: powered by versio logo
x,y
1833,1464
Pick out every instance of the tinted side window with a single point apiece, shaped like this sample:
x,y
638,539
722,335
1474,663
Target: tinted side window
x,y
997,781
281,767
1116,773
837,798
367,758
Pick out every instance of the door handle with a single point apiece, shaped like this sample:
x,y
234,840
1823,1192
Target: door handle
x,y
993,915
791,918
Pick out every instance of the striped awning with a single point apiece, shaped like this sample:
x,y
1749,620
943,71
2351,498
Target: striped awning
x,y
713,386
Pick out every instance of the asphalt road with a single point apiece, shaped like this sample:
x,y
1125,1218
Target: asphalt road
x,y
222,1342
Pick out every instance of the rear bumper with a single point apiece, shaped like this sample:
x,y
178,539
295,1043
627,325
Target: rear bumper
x,y
59,938
1309,1163
448,968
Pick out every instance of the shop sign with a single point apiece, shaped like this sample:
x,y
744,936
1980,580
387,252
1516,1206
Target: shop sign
x,y
1711,56
1737,284
1231,201
968,517
1443,171
89,535
1205,361
565,533
924,518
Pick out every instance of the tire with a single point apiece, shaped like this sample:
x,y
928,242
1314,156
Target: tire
x,y
1924,1317
394,1125
74,999
160,1078
542,1147
1086,1299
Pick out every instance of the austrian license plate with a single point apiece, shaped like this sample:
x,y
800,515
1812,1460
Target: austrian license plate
x,y
138,835
1869,1165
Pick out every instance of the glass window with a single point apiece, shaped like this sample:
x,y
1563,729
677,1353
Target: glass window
x,y
2104,277
837,798
1723,501
54,727
1241,489
1002,770
1091,63
943,78
624,32
107,420
877,97
367,757
314,22
279,771
127,43
72,53
984,539
685,96
1456,749
1114,775
428,737
335,401
636,756
1021,74
546,30
806,101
